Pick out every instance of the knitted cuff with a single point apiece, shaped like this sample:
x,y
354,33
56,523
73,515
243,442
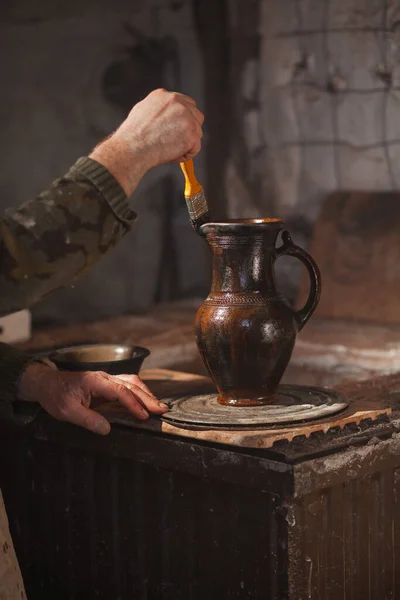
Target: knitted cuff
x,y
13,362
108,186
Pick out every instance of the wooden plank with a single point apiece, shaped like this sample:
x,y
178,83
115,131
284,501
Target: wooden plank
x,y
165,384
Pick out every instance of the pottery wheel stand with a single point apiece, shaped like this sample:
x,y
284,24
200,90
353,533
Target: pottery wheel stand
x,y
195,414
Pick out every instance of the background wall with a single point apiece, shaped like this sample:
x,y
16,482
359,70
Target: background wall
x,y
316,107
301,98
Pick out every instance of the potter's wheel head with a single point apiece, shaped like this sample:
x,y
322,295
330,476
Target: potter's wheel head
x,y
294,404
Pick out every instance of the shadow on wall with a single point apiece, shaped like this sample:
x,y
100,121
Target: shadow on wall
x,y
142,67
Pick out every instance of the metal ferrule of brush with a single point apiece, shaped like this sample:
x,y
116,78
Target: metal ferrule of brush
x,y
198,209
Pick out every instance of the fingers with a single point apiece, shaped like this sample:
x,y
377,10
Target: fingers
x,y
191,154
89,419
181,159
112,389
184,98
142,393
174,96
198,115
190,103
193,151
199,131
135,380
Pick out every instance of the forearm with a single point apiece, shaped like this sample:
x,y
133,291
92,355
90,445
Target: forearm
x,y
47,243
50,241
126,163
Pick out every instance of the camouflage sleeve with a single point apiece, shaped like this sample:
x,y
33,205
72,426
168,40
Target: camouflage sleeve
x,y
50,241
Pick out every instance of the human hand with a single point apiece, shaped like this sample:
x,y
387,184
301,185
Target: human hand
x,y
164,127
66,396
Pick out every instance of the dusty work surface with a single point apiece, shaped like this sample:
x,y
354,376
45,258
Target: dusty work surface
x,y
327,352
167,332
368,401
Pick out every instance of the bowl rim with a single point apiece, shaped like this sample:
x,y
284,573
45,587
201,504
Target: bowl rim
x,y
242,226
58,354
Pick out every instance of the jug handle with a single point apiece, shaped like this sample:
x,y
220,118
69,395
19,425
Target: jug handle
x,y
288,248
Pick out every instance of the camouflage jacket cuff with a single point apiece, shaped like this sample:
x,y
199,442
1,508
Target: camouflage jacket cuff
x,y
108,186
12,365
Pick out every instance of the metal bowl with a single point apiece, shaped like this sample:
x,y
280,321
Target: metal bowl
x,y
114,359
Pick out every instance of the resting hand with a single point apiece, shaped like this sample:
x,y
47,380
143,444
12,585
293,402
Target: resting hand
x,y
67,396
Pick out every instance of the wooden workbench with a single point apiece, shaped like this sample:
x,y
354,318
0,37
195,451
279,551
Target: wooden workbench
x,y
151,513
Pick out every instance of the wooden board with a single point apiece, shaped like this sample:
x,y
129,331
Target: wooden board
x,y
165,383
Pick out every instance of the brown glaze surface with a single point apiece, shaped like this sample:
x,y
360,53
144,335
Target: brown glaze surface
x,y
245,330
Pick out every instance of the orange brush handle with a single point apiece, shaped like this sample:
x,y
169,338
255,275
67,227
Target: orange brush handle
x,y
192,186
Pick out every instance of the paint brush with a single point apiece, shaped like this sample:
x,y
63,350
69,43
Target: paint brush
x,y
195,197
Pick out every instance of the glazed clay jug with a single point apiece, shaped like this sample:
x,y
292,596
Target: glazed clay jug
x,y
245,330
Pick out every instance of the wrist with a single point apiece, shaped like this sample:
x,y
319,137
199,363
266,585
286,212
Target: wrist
x,y
30,382
126,162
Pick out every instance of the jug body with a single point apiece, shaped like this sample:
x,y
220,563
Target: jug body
x,y
245,330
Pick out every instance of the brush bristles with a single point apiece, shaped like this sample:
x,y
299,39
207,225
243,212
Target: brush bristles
x,y
197,206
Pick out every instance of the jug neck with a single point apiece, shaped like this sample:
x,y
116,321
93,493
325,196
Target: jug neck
x,y
243,258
